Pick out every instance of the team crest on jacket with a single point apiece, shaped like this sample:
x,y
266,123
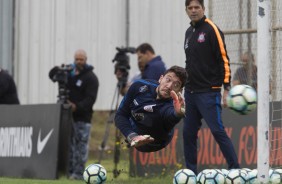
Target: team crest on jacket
x,y
78,83
142,89
201,37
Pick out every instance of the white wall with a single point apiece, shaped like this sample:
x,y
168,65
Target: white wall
x,y
6,35
47,33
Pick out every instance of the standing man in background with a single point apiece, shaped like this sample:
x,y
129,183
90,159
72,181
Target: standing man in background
x,y
207,65
8,90
150,66
153,65
83,86
246,74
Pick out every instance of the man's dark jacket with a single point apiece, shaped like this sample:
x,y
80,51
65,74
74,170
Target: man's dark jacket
x,y
83,89
8,90
83,92
207,62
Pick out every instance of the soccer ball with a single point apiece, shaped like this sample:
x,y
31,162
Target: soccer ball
x,y
236,176
224,172
95,174
212,176
276,176
184,176
253,176
201,175
242,99
247,170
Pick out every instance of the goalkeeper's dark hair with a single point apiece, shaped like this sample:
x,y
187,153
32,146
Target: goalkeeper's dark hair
x,y
180,72
187,2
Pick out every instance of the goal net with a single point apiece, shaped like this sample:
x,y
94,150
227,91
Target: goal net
x,y
276,85
240,23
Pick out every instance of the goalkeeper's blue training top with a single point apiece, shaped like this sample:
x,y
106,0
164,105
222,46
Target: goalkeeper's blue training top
x,y
141,112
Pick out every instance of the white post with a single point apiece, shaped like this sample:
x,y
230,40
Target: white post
x,y
263,65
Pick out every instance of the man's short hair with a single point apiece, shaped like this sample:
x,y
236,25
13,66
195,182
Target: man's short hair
x,y
180,72
144,47
250,55
187,2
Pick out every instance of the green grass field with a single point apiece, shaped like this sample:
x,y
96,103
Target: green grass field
x,y
97,134
123,178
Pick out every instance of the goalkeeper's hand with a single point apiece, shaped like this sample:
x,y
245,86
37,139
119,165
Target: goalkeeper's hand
x,y
178,103
140,140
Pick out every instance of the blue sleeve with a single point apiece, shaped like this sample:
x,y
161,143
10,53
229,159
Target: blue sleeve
x,y
123,114
170,116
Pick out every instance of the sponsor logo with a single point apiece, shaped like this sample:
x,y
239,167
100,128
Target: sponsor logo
x,y
149,108
42,144
186,43
16,141
137,116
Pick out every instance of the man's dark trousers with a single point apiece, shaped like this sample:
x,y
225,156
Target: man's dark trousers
x,y
205,106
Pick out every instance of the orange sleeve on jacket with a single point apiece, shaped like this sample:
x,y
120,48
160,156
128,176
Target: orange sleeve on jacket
x,y
222,51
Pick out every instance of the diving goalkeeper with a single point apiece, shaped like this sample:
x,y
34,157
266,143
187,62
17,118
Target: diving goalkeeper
x,y
150,110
